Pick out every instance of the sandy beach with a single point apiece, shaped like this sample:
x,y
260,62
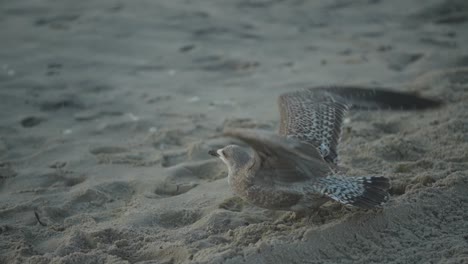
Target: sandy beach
x,y
108,109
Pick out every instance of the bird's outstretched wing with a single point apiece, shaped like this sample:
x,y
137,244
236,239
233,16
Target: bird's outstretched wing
x,y
282,160
315,115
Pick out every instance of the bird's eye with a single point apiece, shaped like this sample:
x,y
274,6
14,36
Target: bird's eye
x,y
223,152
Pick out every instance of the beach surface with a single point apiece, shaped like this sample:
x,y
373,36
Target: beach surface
x,y
108,109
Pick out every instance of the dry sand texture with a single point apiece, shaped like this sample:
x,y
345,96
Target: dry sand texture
x,y
107,110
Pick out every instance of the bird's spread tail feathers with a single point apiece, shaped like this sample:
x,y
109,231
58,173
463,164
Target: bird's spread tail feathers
x,y
363,192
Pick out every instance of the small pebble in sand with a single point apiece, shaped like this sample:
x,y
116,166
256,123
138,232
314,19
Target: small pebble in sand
x,y
67,131
57,164
9,71
187,48
193,99
227,102
86,115
133,117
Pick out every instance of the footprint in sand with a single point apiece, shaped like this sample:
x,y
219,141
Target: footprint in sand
x,y
173,189
221,221
113,194
447,12
6,171
62,178
104,150
454,79
172,158
121,155
78,241
31,121
400,61
178,218
188,175
387,127
57,22
398,149
166,218
61,103
234,204
92,114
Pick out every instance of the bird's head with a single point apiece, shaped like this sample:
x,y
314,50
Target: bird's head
x,y
234,156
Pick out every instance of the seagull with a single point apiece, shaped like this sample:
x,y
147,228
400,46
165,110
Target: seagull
x,y
296,169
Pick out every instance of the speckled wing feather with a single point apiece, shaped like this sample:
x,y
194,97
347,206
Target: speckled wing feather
x,y
315,115
282,160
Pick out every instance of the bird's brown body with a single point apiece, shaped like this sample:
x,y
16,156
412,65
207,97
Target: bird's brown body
x,y
255,184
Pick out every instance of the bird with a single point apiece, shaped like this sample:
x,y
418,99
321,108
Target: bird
x,y
296,169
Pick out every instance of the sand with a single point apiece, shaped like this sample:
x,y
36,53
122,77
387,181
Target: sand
x,y
108,109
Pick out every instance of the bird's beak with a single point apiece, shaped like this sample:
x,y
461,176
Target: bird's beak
x,y
213,153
